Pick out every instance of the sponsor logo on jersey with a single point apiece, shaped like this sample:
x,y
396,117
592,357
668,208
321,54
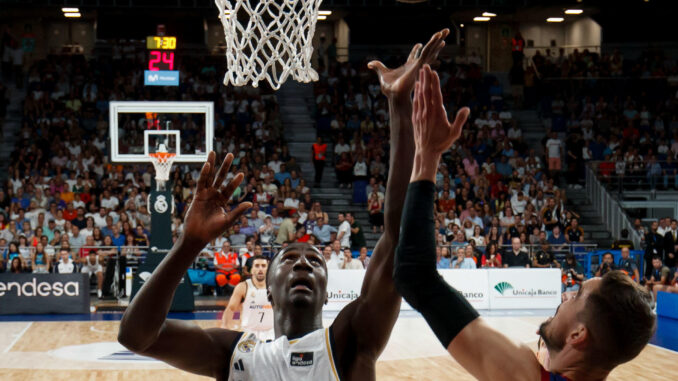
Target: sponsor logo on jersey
x,y
247,346
301,359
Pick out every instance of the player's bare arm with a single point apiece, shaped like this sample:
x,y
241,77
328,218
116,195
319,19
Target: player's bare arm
x,y
145,329
485,353
370,319
234,305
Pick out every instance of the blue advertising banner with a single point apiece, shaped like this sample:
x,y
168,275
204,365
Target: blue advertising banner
x,y
161,77
44,294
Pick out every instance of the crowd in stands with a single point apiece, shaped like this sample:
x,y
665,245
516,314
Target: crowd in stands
x,y
492,188
65,200
620,113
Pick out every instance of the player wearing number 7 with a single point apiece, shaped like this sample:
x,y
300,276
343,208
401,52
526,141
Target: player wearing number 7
x,y
250,299
607,324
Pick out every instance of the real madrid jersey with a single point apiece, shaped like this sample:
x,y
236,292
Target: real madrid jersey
x,y
257,312
307,358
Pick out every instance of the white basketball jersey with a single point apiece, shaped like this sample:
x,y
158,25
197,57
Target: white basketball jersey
x,y
257,312
307,358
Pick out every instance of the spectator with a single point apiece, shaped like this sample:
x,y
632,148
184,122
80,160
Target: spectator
x,y
442,257
574,233
344,231
323,232
267,231
374,207
544,257
16,266
363,258
287,229
671,244
606,265
654,245
350,263
238,239
91,266
556,239
331,263
357,235
492,257
516,256
66,264
464,259
337,253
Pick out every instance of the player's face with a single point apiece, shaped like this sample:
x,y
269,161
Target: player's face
x,y
259,268
298,278
557,332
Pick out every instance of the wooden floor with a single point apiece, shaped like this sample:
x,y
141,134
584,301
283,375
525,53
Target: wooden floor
x,y
87,350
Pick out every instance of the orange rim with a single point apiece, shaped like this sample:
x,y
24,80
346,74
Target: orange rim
x,y
162,157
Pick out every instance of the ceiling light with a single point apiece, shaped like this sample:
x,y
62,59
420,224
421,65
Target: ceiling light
x,y
322,17
324,13
72,14
555,19
462,25
70,10
489,14
481,18
573,11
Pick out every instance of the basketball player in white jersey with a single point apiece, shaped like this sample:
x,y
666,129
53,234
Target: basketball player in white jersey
x,y
296,279
251,300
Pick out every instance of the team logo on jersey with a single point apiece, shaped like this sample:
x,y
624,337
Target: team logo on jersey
x,y
247,346
301,359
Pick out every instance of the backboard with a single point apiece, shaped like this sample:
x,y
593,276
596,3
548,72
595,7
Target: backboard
x,y
138,128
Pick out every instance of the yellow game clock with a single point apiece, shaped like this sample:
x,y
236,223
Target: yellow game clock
x,y
161,43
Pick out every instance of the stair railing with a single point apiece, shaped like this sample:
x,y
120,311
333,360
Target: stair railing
x,y
611,211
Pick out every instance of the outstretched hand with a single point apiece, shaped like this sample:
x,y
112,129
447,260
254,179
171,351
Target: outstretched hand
x,y
433,132
400,81
207,218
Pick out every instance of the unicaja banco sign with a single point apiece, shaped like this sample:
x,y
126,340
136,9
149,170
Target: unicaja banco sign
x,y
506,289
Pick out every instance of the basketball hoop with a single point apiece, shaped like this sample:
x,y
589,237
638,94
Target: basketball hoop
x,y
272,40
162,162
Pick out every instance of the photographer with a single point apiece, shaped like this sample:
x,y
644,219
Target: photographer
x,y
607,265
573,274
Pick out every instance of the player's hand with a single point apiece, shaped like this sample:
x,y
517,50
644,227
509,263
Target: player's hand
x,y
206,218
433,133
400,81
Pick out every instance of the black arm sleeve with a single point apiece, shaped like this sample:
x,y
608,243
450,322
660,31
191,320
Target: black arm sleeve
x,y
415,275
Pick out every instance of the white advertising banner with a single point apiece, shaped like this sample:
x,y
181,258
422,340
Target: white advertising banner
x,y
524,288
471,283
343,287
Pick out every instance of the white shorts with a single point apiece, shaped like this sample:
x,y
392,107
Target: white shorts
x,y
92,269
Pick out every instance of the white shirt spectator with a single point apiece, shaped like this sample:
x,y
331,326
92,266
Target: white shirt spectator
x,y
345,227
275,165
341,148
66,268
554,146
338,258
291,203
353,264
110,202
514,132
360,169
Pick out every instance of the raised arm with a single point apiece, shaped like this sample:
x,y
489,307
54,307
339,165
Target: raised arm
x,y
484,352
144,328
371,317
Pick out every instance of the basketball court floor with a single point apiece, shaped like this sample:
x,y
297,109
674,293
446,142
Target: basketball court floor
x,y
84,347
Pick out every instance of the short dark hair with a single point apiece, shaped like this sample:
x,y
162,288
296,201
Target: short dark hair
x,y
625,233
619,319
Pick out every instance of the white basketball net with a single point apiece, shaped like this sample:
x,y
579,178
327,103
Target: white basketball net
x,y
271,41
162,162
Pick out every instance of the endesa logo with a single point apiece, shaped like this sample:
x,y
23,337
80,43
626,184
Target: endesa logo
x,y
33,288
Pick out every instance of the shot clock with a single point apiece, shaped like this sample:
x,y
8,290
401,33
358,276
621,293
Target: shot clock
x,y
160,70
